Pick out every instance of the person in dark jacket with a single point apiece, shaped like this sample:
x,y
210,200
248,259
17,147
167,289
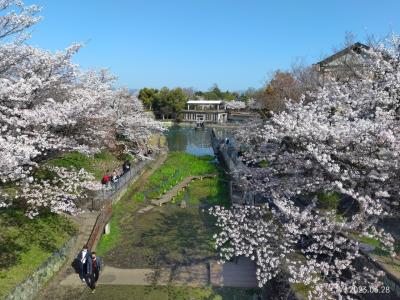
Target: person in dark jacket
x,y
126,166
84,259
94,271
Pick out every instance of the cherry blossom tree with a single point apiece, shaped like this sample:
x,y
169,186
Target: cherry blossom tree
x,y
59,194
234,105
49,105
16,18
345,142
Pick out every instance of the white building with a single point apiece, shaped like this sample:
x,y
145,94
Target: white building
x,y
207,111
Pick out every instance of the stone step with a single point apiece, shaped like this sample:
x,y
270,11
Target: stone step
x,y
147,208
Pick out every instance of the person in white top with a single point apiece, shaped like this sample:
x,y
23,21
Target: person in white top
x,y
84,258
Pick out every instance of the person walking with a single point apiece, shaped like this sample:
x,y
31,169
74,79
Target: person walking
x,y
114,177
106,179
84,259
94,271
126,166
120,172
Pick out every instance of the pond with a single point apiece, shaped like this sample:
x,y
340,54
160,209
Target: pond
x,y
194,141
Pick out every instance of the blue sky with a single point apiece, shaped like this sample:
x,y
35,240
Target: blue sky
x,y
196,43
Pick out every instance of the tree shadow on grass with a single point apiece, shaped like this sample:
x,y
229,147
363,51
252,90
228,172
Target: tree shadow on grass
x,y
186,292
9,251
19,234
182,237
165,237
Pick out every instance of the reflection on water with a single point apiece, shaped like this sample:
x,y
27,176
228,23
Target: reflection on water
x,y
193,141
188,139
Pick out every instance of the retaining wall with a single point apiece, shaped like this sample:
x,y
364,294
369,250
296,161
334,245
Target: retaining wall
x,y
29,288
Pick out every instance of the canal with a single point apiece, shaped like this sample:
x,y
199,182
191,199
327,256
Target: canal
x,y
173,236
180,231
194,141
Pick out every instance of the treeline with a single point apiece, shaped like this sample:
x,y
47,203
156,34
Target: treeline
x,y
284,86
281,87
301,79
216,94
167,103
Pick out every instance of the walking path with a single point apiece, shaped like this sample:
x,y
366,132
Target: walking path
x,y
86,222
195,276
240,274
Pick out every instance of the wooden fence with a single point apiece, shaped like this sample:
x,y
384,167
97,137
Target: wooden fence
x,y
102,219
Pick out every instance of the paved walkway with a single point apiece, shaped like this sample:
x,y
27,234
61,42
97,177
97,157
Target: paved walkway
x,y
195,276
230,274
86,222
240,274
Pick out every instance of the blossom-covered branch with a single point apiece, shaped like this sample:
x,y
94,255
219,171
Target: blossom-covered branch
x,y
343,139
48,105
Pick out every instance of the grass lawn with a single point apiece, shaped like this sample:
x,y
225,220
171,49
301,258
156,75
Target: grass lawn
x,y
176,168
97,164
328,201
208,191
164,236
167,235
25,244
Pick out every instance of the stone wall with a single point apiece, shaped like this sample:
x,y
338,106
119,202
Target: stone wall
x,y
29,288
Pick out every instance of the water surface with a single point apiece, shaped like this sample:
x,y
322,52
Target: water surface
x,y
193,141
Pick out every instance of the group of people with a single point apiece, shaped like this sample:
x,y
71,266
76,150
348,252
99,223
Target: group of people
x,y
116,174
90,267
